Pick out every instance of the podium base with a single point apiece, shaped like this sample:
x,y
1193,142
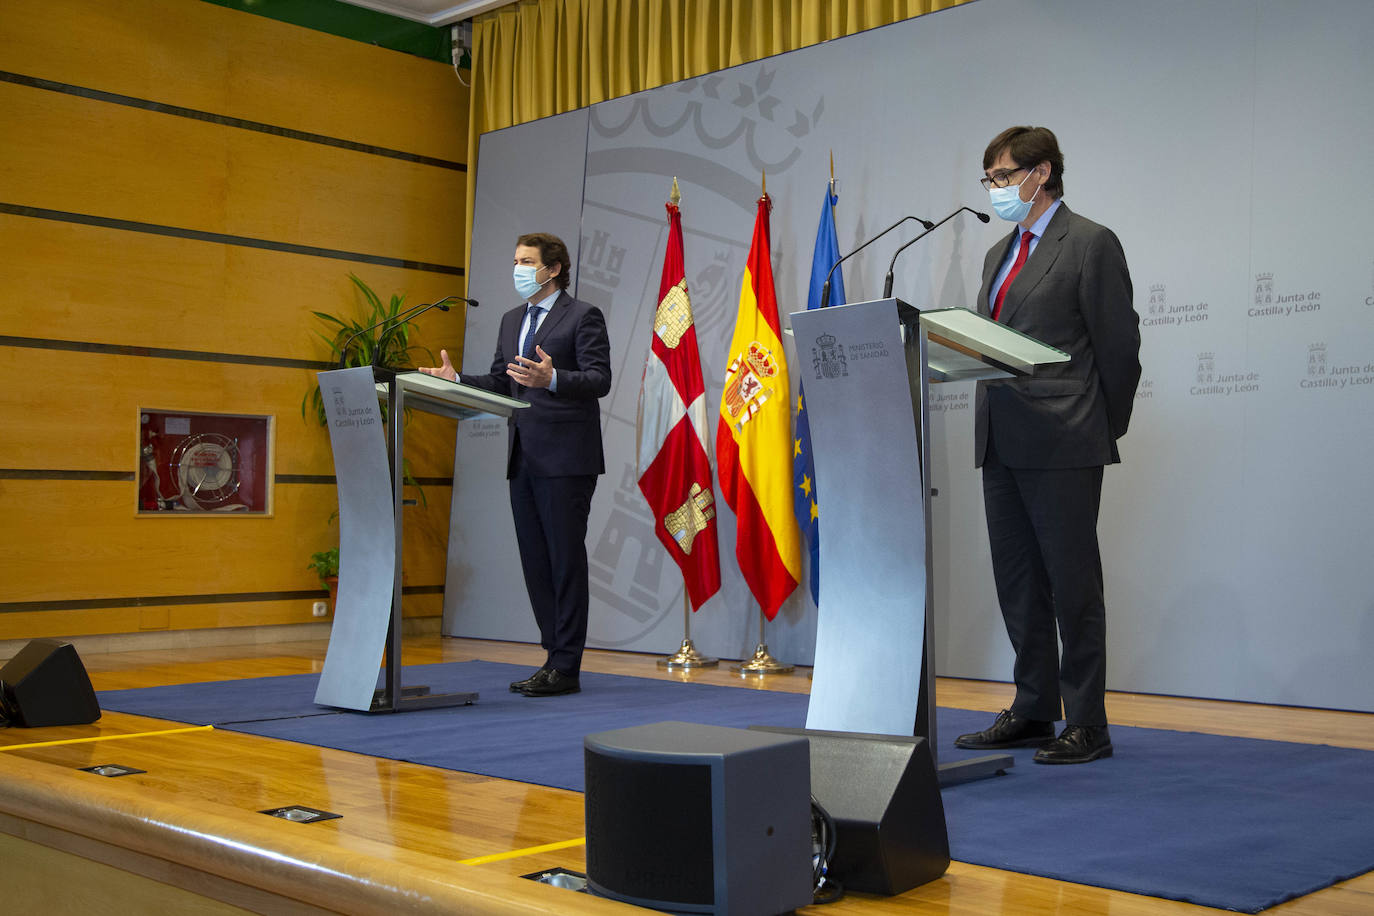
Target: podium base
x,y
417,698
959,771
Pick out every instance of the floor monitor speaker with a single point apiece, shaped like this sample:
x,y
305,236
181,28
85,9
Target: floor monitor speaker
x,y
46,684
692,818
884,796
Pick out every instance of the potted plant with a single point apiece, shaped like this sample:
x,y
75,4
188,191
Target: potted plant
x,y
355,343
325,564
387,344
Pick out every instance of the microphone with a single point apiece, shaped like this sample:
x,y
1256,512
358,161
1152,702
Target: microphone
x,y
887,281
825,288
409,313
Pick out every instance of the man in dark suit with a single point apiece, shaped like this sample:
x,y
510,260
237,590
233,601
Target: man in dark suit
x,y
1043,441
553,352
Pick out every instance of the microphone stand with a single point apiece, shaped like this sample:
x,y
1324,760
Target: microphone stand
x,y
825,287
887,281
406,315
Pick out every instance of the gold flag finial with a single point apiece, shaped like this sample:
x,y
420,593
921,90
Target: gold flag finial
x,y
765,182
676,196
832,173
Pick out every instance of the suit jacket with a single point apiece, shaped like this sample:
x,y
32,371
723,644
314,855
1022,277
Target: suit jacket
x,y
1074,293
560,432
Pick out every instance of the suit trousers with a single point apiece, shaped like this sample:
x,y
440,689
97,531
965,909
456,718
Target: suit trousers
x,y
550,516
1042,527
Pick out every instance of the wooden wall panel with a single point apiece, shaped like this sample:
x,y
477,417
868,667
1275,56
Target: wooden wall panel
x,y
83,542
91,157
79,411
113,621
90,309
196,55
67,281
87,544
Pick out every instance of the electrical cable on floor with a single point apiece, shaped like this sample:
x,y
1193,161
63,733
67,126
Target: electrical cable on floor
x,y
823,837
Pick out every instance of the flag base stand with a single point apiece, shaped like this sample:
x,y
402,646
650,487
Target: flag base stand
x,y
762,663
687,657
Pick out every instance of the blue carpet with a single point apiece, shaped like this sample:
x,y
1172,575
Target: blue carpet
x,y
1232,823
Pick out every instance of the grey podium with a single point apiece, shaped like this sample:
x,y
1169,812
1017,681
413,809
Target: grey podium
x,y
368,466
867,368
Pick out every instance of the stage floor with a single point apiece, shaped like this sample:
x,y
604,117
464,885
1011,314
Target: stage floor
x,y
418,839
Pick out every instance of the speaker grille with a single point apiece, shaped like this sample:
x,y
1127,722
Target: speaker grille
x,y
637,847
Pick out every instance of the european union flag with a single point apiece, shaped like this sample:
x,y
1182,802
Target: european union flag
x,y
826,255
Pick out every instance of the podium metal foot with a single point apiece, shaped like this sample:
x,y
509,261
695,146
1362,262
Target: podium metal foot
x,y
762,663
418,698
687,656
960,771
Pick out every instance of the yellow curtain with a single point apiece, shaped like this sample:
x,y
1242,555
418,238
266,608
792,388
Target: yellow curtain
x,y
537,58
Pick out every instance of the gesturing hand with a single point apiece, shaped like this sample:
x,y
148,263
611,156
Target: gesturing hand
x,y
532,374
444,369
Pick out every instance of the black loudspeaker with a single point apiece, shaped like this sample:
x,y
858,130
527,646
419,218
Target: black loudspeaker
x,y
693,818
884,796
46,684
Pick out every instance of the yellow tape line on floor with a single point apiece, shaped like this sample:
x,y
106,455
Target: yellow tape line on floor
x,y
170,731
518,853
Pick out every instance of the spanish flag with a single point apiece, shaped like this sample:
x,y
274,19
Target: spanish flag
x,y
754,435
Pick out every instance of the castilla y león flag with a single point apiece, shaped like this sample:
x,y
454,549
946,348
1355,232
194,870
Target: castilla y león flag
x,y
670,452
754,435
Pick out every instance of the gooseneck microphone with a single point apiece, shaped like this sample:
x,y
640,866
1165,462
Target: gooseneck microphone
x,y
887,281
409,313
825,288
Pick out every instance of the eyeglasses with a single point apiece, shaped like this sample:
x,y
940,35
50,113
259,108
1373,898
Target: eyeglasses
x,y
999,179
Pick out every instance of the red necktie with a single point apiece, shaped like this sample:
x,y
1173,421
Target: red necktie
x,y
1011,274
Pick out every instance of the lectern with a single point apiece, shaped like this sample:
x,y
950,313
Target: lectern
x,y
867,368
368,466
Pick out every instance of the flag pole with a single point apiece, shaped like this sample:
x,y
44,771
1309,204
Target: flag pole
x,y
694,516
763,662
687,655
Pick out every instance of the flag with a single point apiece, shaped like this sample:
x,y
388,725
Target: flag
x,y
753,435
670,451
826,256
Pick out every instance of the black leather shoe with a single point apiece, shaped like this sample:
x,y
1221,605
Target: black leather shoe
x,y
1077,744
1010,730
553,684
517,686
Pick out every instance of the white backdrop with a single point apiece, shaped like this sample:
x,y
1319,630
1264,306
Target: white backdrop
x,y
1226,144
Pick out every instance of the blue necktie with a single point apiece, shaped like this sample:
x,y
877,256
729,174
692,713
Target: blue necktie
x,y
527,349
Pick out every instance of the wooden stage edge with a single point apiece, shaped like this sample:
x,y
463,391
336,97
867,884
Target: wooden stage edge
x,y
187,836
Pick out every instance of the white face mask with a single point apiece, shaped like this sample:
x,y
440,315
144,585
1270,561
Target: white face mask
x,y
526,286
1008,203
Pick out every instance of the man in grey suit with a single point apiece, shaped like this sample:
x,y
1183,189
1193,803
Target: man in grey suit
x,y
1042,443
552,350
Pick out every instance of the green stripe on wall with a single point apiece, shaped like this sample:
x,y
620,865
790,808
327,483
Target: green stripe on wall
x,y
354,22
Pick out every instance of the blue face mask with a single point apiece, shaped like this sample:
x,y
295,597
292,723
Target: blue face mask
x,y
1008,203
526,286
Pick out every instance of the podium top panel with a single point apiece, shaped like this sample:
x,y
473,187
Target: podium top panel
x,y
969,343
451,399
